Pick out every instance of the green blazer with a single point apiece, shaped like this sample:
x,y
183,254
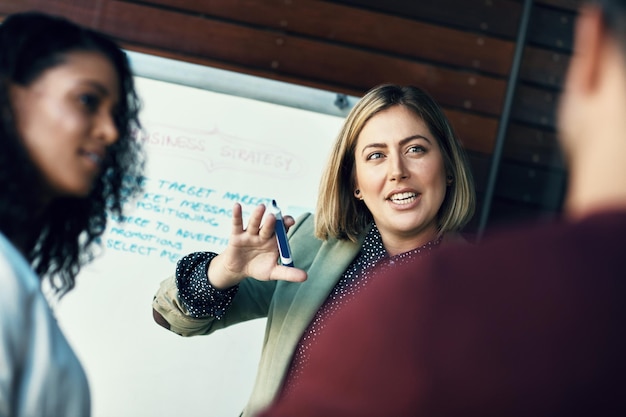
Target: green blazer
x,y
289,307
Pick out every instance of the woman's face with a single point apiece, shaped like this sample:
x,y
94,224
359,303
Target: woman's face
x,y
401,177
65,119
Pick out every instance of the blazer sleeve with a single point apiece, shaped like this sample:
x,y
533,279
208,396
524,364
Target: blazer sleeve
x,y
252,300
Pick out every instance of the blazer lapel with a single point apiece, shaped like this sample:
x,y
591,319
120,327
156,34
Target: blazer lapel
x,y
331,262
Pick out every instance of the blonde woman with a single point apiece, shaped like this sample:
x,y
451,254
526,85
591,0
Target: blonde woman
x,y
397,186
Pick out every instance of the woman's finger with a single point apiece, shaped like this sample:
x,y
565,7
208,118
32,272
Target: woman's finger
x,y
237,219
288,273
255,219
267,229
289,221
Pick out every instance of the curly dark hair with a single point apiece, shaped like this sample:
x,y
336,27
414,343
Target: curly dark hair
x,y
61,239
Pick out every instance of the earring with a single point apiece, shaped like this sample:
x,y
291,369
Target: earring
x,y
449,179
357,193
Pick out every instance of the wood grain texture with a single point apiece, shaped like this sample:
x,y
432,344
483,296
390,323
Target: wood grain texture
x,y
461,51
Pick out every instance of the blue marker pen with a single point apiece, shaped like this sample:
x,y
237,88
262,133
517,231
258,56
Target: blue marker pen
x,y
281,236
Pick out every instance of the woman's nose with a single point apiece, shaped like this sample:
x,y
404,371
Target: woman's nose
x,y
106,129
397,168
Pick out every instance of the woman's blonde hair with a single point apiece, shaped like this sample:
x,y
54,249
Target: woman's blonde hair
x,y
339,215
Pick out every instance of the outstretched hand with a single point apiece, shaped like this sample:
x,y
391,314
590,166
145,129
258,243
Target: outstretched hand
x,y
252,252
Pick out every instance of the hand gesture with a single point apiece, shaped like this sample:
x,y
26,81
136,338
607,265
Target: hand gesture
x,y
252,252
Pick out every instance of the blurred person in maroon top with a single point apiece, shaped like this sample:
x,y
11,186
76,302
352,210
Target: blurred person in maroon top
x,y
531,322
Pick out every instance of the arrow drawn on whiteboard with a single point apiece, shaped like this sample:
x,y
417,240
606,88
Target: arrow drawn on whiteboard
x,y
217,150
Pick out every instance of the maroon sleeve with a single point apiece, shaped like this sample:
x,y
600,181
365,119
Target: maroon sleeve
x,y
529,325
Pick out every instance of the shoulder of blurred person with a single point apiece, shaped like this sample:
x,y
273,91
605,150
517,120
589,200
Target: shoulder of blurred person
x,y
522,324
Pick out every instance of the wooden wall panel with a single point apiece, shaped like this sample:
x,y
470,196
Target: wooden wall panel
x,y
355,69
536,106
532,180
533,186
551,28
496,17
534,147
544,67
83,12
477,133
461,51
362,28
571,5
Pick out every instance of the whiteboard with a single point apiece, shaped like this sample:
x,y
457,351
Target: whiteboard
x,y
206,150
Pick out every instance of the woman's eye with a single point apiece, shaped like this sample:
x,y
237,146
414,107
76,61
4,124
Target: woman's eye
x,y
89,101
416,149
375,155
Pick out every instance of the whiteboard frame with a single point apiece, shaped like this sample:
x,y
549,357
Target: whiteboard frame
x,y
241,85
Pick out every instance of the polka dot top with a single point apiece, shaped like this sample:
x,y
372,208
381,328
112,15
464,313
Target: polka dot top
x,y
203,300
199,297
356,277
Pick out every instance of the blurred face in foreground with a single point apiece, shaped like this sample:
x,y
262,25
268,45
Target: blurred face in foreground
x,y
65,118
